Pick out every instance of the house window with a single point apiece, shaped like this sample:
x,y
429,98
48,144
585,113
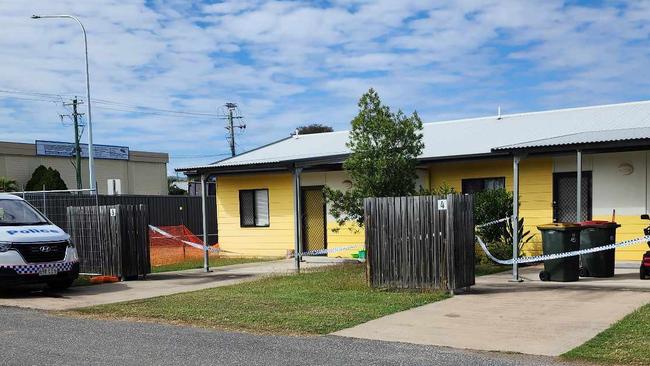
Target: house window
x,y
254,208
483,184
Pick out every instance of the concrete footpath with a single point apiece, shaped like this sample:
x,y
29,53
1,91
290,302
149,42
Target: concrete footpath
x,y
532,317
156,284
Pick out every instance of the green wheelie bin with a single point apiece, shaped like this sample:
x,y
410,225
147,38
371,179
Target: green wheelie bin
x,y
560,238
596,234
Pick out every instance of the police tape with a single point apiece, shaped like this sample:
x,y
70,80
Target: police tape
x,y
217,250
193,245
330,251
541,258
493,222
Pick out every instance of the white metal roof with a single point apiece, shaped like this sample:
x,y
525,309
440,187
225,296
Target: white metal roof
x,y
463,137
625,134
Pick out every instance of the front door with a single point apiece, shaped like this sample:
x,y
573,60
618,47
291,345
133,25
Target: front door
x,y
314,224
564,196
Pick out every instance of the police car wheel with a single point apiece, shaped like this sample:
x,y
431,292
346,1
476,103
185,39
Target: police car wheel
x,y
642,273
60,284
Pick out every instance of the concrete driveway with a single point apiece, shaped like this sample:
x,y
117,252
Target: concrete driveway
x,y
533,317
157,284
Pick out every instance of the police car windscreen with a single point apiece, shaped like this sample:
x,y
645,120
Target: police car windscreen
x,y
17,212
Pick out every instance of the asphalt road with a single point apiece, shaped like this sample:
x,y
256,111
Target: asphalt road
x,y
29,337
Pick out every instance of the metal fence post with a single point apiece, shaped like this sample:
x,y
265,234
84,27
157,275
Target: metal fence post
x,y
44,207
206,254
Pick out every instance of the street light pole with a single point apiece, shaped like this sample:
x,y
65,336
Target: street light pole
x,y
91,155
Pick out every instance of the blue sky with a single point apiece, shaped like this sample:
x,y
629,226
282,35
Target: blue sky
x,y
288,63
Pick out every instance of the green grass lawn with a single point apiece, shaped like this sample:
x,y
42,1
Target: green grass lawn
x,y
315,302
625,343
214,262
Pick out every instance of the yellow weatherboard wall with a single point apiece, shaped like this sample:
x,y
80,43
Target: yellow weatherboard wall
x,y
535,187
342,236
273,240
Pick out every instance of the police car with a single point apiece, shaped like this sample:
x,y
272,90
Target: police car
x,y
33,249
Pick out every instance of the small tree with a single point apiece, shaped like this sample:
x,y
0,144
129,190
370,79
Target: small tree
x,y
47,178
442,190
383,159
314,128
172,188
8,185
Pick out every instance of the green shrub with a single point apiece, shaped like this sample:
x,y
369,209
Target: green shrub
x,y
492,205
8,185
45,178
442,190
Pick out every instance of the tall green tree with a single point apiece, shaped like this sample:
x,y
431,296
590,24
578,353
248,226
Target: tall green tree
x,y
314,128
8,185
47,178
384,147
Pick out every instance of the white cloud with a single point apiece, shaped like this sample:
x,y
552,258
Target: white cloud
x,y
290,63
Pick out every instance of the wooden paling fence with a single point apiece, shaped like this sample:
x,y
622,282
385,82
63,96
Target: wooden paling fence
x,y
111,240
423,242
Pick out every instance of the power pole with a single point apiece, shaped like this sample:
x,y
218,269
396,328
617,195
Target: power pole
x,y
232,107
77,138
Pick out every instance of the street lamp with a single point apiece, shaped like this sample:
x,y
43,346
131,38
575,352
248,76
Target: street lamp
x,y
91,159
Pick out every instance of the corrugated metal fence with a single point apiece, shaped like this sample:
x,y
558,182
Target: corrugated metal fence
x,y
420,242
161,210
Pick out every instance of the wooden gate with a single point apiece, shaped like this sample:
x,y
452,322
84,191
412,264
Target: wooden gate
x,y
111,240
423,242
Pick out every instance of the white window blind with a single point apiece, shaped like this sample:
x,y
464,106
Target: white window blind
x,y
261,207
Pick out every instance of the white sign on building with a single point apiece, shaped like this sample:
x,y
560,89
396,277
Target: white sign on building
x,y
66,149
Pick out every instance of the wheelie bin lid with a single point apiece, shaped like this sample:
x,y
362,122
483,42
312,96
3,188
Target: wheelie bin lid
x,y
559,226
598,224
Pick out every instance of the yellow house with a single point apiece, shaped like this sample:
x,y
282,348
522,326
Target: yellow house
x,y
270,202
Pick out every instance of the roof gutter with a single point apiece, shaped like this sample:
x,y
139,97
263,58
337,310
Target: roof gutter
x,y
591,147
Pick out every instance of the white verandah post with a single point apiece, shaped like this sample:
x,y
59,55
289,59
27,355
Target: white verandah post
x,y
297,217
204,214
515,217
579,185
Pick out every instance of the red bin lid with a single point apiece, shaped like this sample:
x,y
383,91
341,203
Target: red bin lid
x,y
598,224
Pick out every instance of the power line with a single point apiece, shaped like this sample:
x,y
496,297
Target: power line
x,y
133,107
103,101
197,156
150,112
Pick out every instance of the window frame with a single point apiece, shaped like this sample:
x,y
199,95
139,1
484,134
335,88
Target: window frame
x,y
268,203
462,182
